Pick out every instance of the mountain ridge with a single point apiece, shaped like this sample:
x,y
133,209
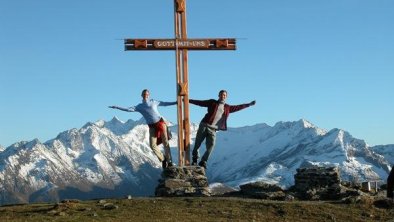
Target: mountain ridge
x,y
113,158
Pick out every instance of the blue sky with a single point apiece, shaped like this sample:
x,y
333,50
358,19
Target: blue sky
x,y
330,62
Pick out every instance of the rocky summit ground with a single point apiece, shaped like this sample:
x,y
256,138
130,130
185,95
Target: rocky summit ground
x,y
200,209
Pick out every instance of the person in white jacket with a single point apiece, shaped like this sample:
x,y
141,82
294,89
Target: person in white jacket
x,y
157,126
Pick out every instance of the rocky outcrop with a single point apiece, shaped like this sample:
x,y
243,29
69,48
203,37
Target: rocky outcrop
x,y
315,183
183,181
263,190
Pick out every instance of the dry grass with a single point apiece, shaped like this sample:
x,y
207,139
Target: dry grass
x,y
195,209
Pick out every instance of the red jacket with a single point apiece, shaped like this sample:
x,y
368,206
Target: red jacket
x,y
213,107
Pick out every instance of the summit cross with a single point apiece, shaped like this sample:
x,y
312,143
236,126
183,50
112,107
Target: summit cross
x,y
181,44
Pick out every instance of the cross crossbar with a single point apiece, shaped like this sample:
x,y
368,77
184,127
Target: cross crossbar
x,y
173,44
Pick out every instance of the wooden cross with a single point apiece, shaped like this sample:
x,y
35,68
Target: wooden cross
x,y
181,44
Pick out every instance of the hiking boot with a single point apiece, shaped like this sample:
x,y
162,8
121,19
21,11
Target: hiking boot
x,y
164,164
203,164
194,162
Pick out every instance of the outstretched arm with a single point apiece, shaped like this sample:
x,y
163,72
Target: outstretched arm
x,y
130,109
161,103
204,103
241,106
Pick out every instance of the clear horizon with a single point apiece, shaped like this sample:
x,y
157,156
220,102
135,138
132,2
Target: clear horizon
x,y
329,62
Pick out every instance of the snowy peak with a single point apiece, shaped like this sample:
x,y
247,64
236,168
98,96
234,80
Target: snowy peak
x,y
294,132
386,151
24,145
114,122
33,143
306,124
344,139
119,127
297,126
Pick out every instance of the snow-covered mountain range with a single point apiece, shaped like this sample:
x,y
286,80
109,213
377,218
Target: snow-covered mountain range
x,y
113,159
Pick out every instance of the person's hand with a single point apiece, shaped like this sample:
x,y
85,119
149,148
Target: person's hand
x,y
253,103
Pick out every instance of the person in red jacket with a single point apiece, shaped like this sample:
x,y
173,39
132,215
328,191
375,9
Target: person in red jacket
x,y
214,120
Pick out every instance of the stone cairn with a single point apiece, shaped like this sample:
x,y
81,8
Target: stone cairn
x,y
318,183
183,181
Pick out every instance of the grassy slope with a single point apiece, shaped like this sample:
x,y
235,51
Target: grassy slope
x,y
196,209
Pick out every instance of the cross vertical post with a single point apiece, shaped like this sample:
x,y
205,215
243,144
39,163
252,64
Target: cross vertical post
x,y
182,83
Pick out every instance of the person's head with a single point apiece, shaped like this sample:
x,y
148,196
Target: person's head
x,y
145,94
222,95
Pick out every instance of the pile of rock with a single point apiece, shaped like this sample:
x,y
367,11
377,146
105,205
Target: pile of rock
x,y
315,183
318,183
183,181
263,190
